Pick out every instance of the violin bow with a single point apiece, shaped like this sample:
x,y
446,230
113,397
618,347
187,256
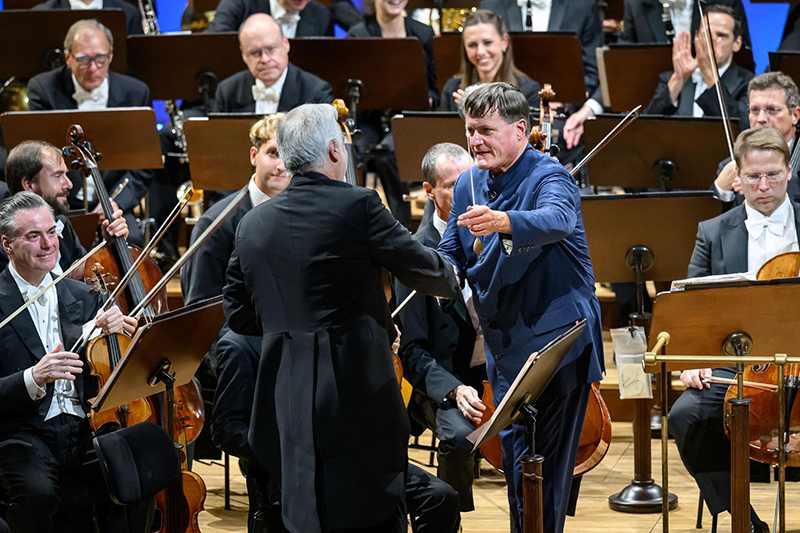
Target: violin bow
x,y
723,104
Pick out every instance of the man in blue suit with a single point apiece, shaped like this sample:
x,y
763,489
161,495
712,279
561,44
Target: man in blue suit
x,y
532,280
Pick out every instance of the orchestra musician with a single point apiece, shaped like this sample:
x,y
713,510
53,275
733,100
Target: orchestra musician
x,y
487,57
133,18
270,83
85,83
689,89
306,277
44,433
531,281
298,18
773,102
39,167
740,240
442,352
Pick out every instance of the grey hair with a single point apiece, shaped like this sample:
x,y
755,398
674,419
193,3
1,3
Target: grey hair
x,y
468,91
776,80
504,98
305,134
76,28
19,202
448,150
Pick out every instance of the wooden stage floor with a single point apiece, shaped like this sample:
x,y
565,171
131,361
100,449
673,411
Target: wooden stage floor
x,y
593,514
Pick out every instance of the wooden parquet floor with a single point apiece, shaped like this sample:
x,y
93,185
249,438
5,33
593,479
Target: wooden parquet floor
x,y
593,513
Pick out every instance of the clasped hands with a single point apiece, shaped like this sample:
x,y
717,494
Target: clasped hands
x,y
59,364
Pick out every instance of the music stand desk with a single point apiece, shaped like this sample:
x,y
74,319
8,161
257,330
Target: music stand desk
x,y
415,133
695,145
786,62
218,149
28,36
126,136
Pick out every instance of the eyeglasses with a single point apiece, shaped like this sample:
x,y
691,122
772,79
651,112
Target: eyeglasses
x,y
85,62
772,177
771,111
269,51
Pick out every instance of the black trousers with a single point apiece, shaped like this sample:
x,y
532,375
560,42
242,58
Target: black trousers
x,y
432,503
50,479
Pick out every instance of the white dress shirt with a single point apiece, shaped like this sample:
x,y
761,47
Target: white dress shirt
x,y
700,87
769,236
479,350
78,4
540,14
90,100
257,196
680,12
268,98
287,20
44,314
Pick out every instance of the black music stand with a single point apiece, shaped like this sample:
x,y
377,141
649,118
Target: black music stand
x,y
160,358
30,52
85,226
366,72
629,72
655,152
638,237
518,402
532,55
204,58
786,62
218,148
411,147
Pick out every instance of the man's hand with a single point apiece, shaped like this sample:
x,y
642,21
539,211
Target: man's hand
x,y
56,365
573,127
692,378
396,343
118,227
703,58
482,221
727,176
110,321
457,96
683,64
469,403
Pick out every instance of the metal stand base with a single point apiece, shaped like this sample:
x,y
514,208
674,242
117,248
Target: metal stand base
x,y
640,497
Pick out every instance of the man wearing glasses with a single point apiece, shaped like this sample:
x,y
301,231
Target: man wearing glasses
x,y
773,102
740,240
86,84
270,84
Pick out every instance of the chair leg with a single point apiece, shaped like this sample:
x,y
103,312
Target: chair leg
x,y
227,467
433,447
699,524
714,524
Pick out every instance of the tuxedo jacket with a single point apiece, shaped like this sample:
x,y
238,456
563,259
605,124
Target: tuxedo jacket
x,y
235,94
203,276
721,246
306,276
436,346
53,90
791,32
133,18
21,348
734,84
315,19
580,16
643,22
68,244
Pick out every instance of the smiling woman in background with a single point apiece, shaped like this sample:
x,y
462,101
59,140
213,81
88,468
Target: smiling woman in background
x,y
487,58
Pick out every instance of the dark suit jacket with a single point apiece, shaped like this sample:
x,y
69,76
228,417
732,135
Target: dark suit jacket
x,y
133,18
529,88
643,23
423,32
306,275
791,32
237,364
315,20
53,90
721,246
234,94
580,16
436,347
734,84
69,245
203,276
21,348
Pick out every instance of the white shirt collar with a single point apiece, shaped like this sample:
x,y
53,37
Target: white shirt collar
x,y
24,287
438,223
277,86
287,20
78,4
780,215
89,100
257,196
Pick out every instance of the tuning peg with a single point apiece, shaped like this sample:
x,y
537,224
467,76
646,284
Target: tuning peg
x,y
75,164
98,156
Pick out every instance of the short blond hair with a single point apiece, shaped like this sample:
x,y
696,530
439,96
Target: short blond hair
x,y
760,139
264,130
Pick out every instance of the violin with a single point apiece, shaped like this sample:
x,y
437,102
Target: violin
x,y
346,124
103,354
